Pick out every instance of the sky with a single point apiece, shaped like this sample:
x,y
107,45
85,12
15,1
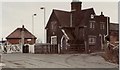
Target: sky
x,y
15,14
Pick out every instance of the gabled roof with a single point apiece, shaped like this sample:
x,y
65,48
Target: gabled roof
x,y
64,16
86,14
64,19
87,11
18,32
114,26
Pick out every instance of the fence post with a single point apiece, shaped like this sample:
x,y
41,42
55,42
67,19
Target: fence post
x,y
58,48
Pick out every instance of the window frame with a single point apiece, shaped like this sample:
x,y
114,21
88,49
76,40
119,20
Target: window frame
x,y
92,16
53,37
53,24
91,40
92,24
102,25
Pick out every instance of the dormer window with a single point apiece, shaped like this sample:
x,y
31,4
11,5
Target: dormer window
x,y
92,16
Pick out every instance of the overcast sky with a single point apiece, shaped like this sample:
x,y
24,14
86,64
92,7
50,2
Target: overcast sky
x,y
16,14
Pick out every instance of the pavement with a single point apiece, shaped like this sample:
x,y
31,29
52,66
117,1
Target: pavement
x,y
21,60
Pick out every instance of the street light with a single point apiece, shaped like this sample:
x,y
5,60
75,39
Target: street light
x,y
43,8
33,25
33,22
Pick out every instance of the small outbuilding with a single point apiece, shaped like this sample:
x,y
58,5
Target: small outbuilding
x,y
21,38
16,36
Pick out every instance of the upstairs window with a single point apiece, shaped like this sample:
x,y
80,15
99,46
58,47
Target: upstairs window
x,y
92,24
53,25
91,16
102,25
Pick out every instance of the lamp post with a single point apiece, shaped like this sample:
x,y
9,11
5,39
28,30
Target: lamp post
x,y
33,22
33,25
43,8
22,38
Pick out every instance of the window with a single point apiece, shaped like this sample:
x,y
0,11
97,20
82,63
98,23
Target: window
x,y
102,25
29,39
53,39
92,16
92,24
53,25
92,40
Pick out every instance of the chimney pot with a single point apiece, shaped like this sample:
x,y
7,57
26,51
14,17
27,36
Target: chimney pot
x,y
22,26
102,14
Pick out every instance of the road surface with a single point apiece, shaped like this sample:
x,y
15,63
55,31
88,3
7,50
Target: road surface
x,y
20,60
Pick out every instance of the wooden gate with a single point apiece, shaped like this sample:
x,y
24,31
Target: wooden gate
x,y
55,49
46,49
74,49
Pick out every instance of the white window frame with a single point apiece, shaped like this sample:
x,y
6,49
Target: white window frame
x,y
29,40
91,40
92,16
55,37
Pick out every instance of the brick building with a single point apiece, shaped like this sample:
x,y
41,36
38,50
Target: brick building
x,y
78,30
16,36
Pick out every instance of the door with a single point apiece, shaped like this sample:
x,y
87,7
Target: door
x,y
26,49
64,47
92,43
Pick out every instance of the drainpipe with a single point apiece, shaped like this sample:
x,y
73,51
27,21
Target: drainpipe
x,y
85,42
107,27
101,41
85,46
71,19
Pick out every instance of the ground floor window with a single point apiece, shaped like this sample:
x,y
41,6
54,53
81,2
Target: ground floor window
x,y
91,40
53,39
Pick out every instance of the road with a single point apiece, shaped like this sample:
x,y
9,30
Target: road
x,y
20,60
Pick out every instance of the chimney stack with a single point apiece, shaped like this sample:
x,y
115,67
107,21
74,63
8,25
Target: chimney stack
x,y
102,14
75,13
76,5
22,27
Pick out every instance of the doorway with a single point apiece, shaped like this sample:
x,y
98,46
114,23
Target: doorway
x,y
26,49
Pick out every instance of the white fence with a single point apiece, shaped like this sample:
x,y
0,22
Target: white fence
x,y
15,48
11,48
